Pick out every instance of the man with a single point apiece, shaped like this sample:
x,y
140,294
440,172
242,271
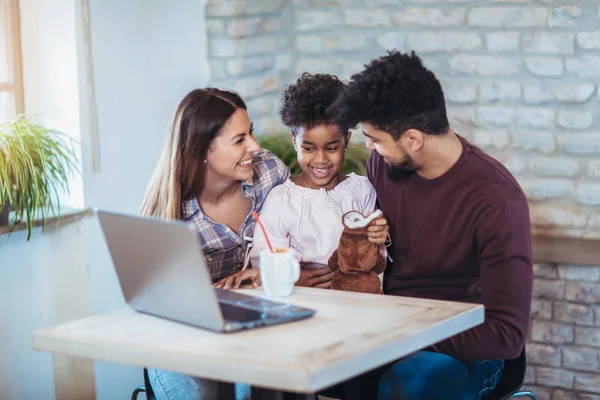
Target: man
x,y
459,227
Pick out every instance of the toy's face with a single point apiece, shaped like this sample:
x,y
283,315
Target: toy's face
x,y
354,220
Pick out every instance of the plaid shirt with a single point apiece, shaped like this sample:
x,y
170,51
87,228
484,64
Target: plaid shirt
x,y
227,252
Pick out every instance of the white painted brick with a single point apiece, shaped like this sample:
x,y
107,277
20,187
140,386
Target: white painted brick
x,y
534,140
533,94
536,117
222,47
542,354
392,40
491,138
483,65
461,116
218,69
215,27
429,17
551,332
428,42
316,20
283,62
579,273
252,26
559,216
507,17
551,166
366,18
588,194
321,44
252,87
516,164
587,336
575,119
351,67
315,65
244,65
545,66
460,93
232,8
588,382
261,106
580,358
549,42
562,17
573,93
491,116
499,91
268,125
593,168
580,143
544,188
502,41
589,40
586,65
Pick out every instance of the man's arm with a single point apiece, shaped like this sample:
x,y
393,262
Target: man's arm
x,y
503,240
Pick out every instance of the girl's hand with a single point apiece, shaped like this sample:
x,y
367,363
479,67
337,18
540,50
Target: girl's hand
x,y
234,281
315,275
378,231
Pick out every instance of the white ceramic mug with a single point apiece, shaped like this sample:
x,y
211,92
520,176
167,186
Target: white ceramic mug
x,y
279,271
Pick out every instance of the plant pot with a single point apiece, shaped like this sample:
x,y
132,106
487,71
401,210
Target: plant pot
x,y
4,214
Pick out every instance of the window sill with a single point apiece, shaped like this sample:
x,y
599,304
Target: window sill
x,y
67,216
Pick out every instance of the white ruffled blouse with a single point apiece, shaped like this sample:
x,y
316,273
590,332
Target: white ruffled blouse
x,y
310,220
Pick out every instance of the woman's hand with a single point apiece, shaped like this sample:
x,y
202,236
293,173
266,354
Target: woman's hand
x,y
234,281
315,275
378,231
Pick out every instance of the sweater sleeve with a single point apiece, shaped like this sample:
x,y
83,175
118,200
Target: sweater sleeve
x,y
503,242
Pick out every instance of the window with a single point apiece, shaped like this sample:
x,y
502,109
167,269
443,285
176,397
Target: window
x,y
11,83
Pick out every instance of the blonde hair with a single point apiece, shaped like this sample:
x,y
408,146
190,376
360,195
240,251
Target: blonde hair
x,y
179,174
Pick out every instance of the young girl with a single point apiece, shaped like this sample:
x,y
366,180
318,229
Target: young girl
x,y
306,213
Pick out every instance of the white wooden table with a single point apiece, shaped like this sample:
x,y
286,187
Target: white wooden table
x,y
349,335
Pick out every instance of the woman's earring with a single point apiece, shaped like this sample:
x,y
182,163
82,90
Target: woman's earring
x,y
204,161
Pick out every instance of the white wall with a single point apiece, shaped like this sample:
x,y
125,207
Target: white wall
x,y
43,282
146,54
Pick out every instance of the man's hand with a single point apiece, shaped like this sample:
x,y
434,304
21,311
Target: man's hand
x,y
378,231
234,281
318,276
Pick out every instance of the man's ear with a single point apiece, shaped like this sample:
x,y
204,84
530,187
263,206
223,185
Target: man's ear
x,y
413,139
293,139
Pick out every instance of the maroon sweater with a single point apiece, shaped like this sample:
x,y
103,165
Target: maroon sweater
x,y
464,236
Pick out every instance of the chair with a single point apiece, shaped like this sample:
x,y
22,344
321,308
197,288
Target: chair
x,y
512,380
144,389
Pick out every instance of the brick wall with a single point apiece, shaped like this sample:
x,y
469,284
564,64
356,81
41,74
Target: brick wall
x,y
521,80
564,338
521,77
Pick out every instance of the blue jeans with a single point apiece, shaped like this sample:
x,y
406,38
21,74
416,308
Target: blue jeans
x,y
174,386
424,375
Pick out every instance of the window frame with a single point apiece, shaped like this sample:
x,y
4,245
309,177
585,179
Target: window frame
x,y
14,84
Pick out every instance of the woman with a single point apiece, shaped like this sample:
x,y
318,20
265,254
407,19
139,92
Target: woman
x,y
213,174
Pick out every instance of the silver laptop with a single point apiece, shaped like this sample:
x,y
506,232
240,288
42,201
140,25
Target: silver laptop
x,y
162,272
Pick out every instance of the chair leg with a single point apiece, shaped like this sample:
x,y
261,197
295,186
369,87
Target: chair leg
x,y
138,390
524,393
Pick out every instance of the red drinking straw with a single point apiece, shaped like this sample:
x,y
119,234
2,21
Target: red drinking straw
x,y
255,215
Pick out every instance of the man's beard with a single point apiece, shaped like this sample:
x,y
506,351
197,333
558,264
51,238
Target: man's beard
x,y
401,171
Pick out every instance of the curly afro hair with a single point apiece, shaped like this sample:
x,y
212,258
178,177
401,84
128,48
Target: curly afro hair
x,y
307,102
394,93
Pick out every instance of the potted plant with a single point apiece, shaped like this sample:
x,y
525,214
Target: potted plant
x,y
35,165
281,145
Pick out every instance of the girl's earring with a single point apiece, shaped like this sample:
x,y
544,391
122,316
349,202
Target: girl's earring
x,y
205,161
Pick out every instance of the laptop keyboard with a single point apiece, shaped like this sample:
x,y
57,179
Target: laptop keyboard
x,y
239,314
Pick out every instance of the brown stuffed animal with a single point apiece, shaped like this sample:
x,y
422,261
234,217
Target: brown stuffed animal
x,y
357,262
